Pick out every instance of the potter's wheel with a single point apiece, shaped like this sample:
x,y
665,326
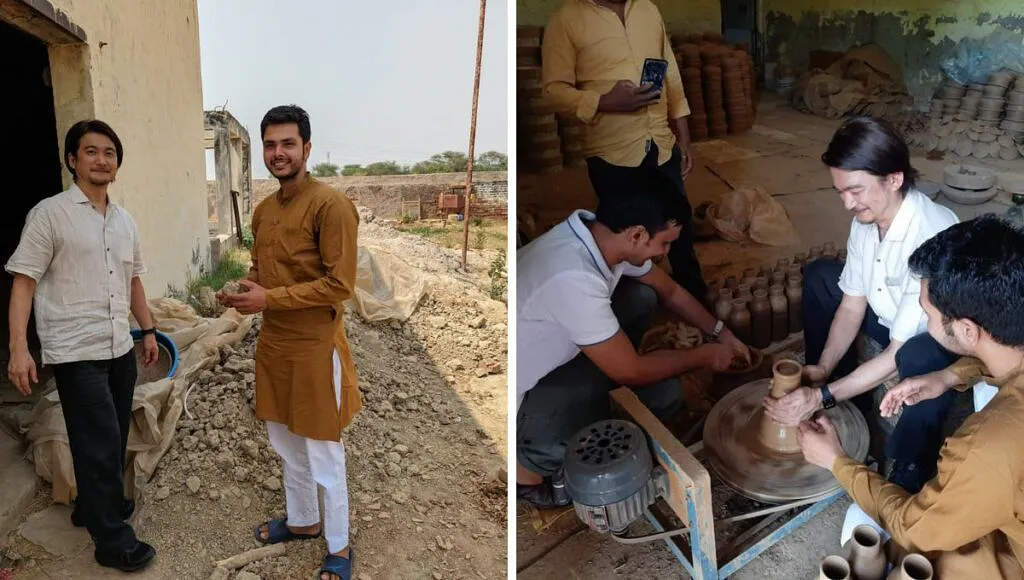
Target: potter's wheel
x,y
737,454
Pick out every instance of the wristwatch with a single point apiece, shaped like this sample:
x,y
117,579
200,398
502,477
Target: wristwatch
x,y
146,331
827,400
718,330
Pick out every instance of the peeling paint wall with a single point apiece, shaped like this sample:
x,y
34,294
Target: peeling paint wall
x,y
917,34
680,16
140,72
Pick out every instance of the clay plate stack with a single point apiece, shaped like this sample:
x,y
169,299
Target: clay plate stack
x,y
698,119
570,131
528,45
737,113
968,184
539,131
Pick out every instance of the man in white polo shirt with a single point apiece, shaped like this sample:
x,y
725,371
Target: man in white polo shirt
x,y
875,293
579,324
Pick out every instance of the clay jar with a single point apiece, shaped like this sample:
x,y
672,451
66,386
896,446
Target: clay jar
x,y
760,320
739,320
794,270
731,283
780,314
778,277
782,264
765,271
841,256
813,254
828,251
723,307
743,293
800,259
795,298
864,553
834,568
761,283
785,378
912,567
749,277
711,296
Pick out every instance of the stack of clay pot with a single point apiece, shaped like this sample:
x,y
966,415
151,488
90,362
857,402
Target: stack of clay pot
x,y
570,131
968,184
979,120
738,107
714,102
719,84
864,557
528,45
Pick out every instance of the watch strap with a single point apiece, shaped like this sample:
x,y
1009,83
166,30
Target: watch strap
x,y
827,400
718,329
146,331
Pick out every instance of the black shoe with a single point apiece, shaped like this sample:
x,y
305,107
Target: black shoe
x,y
127,509
133,559
540,495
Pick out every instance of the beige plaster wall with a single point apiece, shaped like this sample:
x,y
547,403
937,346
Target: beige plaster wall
x,y
141,72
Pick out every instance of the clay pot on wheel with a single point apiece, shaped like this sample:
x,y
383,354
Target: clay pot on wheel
x,y
864,553
912,567
834,568
786,375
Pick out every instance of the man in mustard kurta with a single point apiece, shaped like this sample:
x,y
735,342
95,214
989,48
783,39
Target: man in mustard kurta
x,y
593,54
303,269
969,519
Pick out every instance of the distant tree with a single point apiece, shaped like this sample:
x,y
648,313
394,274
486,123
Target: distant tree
x,y
491,161
325,169
353,170
385,168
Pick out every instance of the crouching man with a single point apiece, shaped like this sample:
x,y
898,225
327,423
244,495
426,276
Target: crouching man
x,y
587,291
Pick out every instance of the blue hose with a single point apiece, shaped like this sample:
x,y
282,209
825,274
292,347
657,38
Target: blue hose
x,y
167,343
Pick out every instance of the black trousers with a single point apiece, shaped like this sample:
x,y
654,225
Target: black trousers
x,y
96,398
609,180
917,437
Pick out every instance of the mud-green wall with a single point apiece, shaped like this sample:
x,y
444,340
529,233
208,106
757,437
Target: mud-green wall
x,y
680,15
917,34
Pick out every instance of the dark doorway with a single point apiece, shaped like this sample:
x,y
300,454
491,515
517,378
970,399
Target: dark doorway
x,y
31,167
739,23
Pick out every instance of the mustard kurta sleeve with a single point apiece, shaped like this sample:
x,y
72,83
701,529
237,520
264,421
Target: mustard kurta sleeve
x,y
558,73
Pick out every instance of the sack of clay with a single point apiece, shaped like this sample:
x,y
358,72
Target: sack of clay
x,y
749,213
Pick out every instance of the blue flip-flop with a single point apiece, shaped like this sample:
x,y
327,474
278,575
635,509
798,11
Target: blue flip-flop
x,y
277,532
340,567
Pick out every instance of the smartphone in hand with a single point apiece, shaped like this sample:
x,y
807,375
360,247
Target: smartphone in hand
x,y
654,73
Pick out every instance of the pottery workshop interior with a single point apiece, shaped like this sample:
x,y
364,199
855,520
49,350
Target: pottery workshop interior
x,y
768,82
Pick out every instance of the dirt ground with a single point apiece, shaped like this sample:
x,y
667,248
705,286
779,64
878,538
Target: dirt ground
x,y
422,455
483,233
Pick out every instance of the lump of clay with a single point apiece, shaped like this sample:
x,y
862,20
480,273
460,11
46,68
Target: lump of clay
x,y
234,287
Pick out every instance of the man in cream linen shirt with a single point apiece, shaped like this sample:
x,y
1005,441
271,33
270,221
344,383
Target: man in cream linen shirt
x,y
876,293
80,262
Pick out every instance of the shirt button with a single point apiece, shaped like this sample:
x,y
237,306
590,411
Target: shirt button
x,y
879,289
111,271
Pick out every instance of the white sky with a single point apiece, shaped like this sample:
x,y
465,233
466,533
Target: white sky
x,y
381,80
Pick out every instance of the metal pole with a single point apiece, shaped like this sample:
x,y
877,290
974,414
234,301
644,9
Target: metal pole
x,y
472,133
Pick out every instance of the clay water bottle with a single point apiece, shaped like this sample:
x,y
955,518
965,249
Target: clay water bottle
x,y
795,298
834,568
828,251
730,283
912,567
780,314
723,307
778,277
782,264
841,256
743,293
739,320
800,259
813,254
765,271
711,296
794,270
760,320
865,554
761,283
749,277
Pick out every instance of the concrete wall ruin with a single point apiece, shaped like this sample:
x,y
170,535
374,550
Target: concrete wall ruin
x,y
232,157
136,66
917,34
383,194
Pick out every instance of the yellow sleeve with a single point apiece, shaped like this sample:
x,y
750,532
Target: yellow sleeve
x,y
969,370
678,106
338,223
254,272
558,73
968,498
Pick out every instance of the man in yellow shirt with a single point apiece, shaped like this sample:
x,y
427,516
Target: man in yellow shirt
x,y
967,519
593,54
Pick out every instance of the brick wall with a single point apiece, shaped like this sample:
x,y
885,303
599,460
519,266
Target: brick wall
x,y
384,194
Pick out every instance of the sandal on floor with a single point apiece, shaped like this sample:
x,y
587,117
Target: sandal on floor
x,y
277,532
340,567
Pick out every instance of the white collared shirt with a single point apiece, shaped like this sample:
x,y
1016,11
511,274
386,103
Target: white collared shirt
x,y
879,269
83,264
564,289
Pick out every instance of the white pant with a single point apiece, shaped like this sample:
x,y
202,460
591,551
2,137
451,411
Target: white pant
x,y
983,393
307,464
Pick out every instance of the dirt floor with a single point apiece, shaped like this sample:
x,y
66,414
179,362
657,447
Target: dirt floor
x,y
782,152
422,456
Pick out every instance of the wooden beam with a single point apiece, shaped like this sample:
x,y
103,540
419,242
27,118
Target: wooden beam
x,y
40,19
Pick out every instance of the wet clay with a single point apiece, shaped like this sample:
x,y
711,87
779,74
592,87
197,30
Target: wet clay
x,y
734,448
834,568
785,379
